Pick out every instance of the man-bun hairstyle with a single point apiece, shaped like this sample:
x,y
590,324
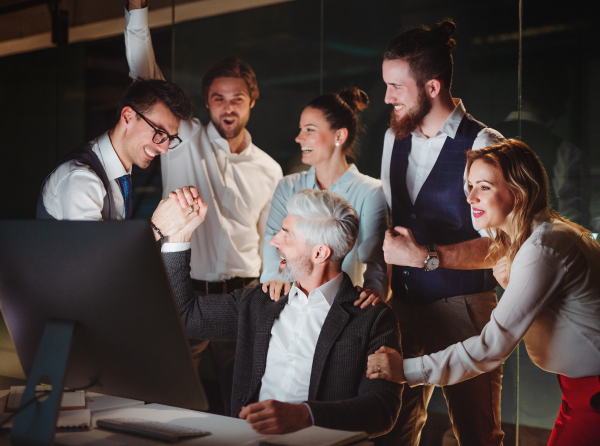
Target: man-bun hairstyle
x,y
143,94
427,51
341,111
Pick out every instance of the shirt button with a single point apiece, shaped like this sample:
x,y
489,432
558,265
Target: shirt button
x,y
290,360
413,216
406,273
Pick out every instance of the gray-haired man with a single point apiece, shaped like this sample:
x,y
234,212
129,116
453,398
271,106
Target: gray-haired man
x,y
301,361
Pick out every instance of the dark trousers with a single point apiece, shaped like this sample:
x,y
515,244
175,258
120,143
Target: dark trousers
x,y
473,405
223,353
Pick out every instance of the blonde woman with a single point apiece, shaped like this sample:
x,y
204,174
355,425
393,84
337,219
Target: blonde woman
x,y
551,273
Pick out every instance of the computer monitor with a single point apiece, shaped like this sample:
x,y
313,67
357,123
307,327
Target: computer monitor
x,y
109,279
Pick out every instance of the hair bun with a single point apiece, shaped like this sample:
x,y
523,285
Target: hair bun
x,y
356,99
443,31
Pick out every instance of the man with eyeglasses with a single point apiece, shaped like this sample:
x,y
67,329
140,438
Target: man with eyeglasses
x,y
94,182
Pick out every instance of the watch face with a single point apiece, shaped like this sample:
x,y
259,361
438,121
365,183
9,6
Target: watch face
x,y
433,263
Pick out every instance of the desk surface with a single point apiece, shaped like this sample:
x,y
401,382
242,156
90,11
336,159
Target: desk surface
x,y
225,430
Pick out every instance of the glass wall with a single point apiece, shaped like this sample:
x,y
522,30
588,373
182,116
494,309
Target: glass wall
x,y
55,99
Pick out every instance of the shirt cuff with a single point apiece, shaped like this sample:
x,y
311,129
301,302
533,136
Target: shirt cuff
x,y
175,247
312,419
413,371
136,18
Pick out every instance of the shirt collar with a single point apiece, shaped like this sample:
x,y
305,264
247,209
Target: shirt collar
x,y
112,164
215,137
450,125
540,218
341,185
328,290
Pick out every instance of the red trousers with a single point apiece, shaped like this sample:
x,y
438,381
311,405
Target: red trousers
x,y
578,421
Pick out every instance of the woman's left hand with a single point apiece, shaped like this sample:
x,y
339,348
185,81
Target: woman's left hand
x,y
386,363
275,287
367,297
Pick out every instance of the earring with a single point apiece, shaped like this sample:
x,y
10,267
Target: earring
x,y
337,144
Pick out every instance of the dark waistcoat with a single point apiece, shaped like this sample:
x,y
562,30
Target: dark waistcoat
x,y
440,216
86,156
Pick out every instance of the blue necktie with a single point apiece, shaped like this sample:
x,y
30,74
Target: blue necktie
x,y
125,185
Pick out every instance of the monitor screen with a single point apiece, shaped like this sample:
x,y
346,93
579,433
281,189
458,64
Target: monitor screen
x,y
108,277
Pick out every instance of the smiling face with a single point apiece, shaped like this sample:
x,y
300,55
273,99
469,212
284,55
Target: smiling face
x,y
316,138
291,247
138,147
410,102
229,105
489,197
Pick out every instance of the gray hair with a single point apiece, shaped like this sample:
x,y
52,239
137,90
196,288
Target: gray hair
x,y
325,218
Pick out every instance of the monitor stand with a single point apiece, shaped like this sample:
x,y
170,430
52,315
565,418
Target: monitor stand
x,y
35,424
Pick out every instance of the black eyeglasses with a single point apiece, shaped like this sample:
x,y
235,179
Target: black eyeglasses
x,y
160,136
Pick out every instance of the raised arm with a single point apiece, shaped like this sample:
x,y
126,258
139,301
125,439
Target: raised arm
x,y
138,44
211,317
204,317
376,407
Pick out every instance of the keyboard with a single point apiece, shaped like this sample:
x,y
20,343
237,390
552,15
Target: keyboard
x,y
152,429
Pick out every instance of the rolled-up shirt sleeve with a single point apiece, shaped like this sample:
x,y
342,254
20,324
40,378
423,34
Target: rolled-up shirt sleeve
x,y
536,276
138,46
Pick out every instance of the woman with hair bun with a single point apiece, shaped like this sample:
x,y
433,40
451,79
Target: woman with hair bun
x,y
328,129
551,272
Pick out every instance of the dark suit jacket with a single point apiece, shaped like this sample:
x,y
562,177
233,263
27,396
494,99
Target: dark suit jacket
x,y
340,395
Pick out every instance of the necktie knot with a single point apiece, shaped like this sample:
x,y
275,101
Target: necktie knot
x,y
124,183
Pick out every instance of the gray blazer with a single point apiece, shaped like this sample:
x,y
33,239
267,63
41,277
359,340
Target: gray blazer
x,y
340,395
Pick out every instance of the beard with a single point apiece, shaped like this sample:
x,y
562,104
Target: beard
x,y
230,133
413,117
299,267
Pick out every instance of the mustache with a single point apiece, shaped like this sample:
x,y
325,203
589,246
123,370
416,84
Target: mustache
x,y
229,115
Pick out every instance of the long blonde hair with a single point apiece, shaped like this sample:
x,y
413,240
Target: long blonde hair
x,y
526,179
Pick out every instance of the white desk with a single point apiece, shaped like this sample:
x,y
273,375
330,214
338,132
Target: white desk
x,y
225,430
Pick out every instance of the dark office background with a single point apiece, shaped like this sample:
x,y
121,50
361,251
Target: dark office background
x,y
53,100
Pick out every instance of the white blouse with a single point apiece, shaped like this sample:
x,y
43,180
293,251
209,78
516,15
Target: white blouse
x,y
552,302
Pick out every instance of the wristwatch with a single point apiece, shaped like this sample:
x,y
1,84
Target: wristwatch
x,y
432,261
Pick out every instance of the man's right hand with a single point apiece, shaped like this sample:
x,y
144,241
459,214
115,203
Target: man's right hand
x,y
174,213
136,4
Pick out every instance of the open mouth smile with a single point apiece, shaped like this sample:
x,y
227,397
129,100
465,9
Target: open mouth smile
x,y
150,153
477,212
307,149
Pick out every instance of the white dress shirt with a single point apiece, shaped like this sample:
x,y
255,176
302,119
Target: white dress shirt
x,y
424,153
237,187
552,302
365,260
74,192
293,341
